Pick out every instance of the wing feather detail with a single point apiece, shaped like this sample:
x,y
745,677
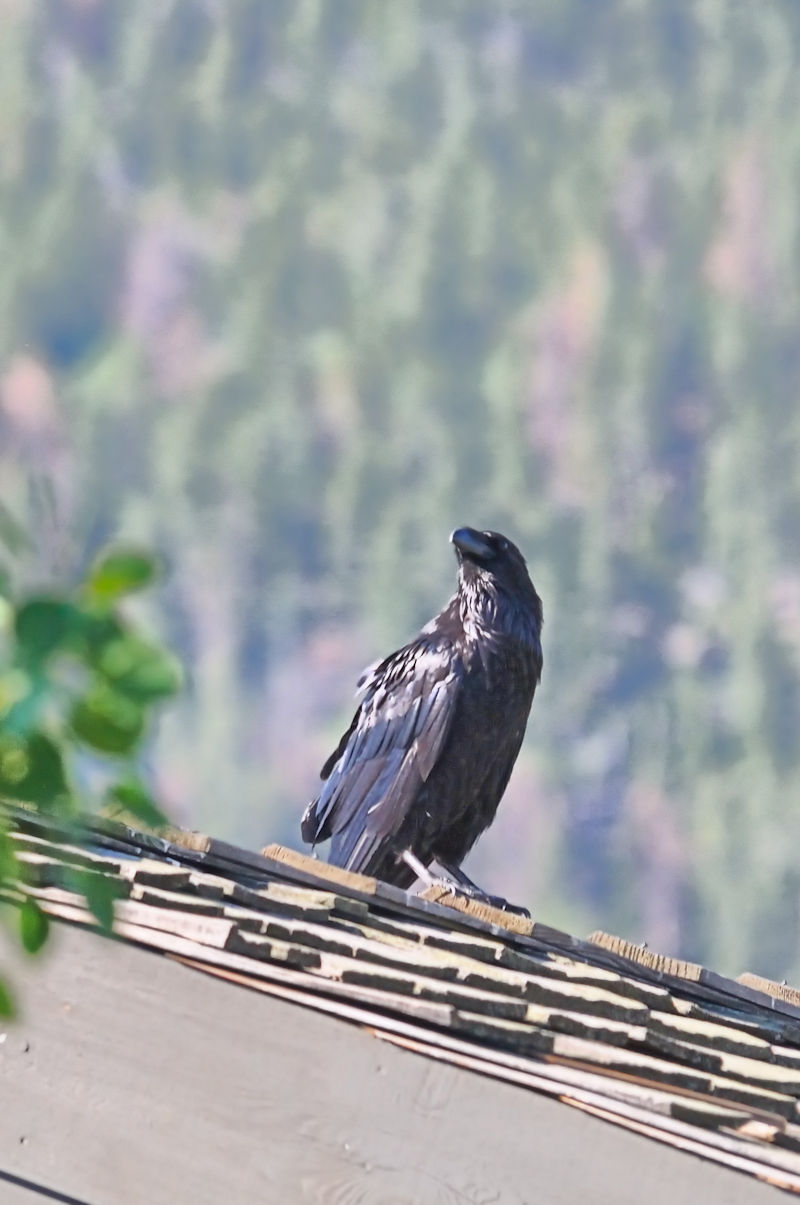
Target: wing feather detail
x,y
394,741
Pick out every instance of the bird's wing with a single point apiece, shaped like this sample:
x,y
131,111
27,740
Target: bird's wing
x,y
388,751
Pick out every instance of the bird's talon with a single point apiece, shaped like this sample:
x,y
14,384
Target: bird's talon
x,y
481,897
497,901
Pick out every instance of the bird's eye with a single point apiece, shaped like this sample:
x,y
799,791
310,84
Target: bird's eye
x,y
503,545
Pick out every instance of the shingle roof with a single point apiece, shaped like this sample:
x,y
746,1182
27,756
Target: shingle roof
x,y
662,1047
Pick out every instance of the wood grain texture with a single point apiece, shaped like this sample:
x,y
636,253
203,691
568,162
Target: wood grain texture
x,y
198,842
781,991
322,870
676,967
439,893
137,1079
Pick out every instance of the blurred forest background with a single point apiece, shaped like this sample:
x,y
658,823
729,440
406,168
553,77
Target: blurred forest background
x,y
290,289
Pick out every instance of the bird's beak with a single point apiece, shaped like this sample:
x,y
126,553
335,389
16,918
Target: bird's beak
x,y
471,544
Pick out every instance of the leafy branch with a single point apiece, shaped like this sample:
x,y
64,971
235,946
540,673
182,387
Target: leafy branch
x,y
79,685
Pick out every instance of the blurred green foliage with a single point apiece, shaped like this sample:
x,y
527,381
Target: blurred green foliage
x,y
78,685
291,289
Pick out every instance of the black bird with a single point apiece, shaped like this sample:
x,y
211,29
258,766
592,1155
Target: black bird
x,y
419,773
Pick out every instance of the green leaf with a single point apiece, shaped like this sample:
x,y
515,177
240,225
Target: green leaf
x,y
107,721
120,571
46,624
34,926
32,768
138,801
100,893
101,629
8,1008
139,670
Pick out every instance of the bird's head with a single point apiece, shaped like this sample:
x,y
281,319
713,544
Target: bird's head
x,y
491,568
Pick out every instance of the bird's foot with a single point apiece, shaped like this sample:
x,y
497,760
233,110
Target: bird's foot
x,y
494,901
465,886
447,886
481,897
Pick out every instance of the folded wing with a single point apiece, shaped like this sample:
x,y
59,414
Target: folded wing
x,y
387,753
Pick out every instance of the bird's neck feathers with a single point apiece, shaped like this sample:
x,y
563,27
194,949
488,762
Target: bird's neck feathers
x,y
489,612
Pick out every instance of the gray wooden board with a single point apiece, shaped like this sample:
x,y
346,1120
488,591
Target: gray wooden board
x,y
136,1079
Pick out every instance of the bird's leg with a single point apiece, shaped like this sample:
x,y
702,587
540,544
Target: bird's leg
x,y
463,879
421,871
467,887
455,881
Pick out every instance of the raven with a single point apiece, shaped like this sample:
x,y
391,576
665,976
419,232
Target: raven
x,y
418,775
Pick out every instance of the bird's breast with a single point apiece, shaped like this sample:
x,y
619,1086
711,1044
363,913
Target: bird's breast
x,y
502,667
